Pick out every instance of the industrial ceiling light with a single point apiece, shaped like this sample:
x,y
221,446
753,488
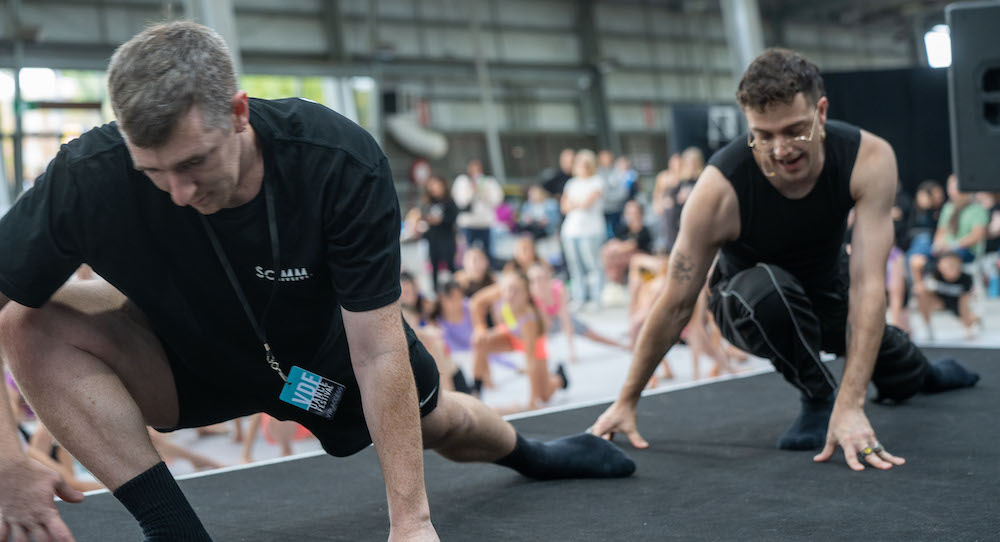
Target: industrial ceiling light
x,y
938,44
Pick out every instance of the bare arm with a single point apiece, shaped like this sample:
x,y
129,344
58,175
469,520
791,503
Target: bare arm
x,y
479,305
873,186
707,222
380,357
977,234
10,446
565,205
592,199
710,218
26,503
994,224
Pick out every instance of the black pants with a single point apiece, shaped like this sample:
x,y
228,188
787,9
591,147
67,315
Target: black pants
x,y
441,253
765,311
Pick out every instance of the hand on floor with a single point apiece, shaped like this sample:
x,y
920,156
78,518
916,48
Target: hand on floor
x,y
850,429
619,418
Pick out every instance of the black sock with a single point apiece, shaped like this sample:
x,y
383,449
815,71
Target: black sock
x,y
808,431
577,456
561,371
461,385
946,374
155,500
477,387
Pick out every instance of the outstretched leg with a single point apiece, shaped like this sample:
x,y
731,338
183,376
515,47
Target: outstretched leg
x,y
463,429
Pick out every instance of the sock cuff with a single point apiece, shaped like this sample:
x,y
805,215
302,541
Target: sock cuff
x,y
513,459
149,490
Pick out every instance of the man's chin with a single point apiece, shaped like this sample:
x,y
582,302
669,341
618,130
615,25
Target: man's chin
x,y
206,209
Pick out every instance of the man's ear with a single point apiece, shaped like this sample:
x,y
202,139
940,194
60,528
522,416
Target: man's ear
x,y
241,111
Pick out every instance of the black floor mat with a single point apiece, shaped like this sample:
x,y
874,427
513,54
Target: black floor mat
x,y
712,473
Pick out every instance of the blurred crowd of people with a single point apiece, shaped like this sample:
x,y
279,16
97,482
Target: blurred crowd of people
x,y
584,237
945,252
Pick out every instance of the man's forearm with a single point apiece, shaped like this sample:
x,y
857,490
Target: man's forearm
x,y
865,325
10,446
389,397
971,239
658,334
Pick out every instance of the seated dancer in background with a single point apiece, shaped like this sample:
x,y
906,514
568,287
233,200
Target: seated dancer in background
x,y
519,326
550,296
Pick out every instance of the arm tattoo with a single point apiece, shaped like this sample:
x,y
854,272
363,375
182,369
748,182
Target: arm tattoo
x,y
683,268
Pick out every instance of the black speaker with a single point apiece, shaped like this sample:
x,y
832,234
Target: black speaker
x,y
974,94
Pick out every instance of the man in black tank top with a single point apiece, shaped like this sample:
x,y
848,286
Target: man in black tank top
x,y
773,205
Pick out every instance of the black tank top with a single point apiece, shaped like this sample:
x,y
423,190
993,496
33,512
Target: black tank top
x,y
803,236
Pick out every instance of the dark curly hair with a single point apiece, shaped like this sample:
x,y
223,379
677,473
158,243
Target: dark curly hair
x,y
775,77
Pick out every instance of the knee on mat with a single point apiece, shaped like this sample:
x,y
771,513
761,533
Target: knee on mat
x,y
900,385
901,368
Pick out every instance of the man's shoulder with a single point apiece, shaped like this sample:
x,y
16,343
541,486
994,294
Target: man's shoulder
x,y
315,128
103,143
872,146
732,157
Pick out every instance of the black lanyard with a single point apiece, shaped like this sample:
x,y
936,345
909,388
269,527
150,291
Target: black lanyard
x,y
272,226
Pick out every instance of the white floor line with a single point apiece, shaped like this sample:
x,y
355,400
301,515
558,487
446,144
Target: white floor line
x,y
661,389
233,468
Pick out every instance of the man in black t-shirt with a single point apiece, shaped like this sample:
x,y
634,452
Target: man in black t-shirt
x,y
251,255
555,183
774,206
631,237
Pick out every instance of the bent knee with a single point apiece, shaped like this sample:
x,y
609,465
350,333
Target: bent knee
x,y
446,423
22,329
28,335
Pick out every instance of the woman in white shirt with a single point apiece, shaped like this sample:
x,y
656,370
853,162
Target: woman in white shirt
x,y
583,229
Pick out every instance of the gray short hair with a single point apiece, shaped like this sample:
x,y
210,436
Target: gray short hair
x,y
157,76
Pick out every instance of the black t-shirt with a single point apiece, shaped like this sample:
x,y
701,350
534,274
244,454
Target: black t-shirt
x,y
804,236
951,289
993,244
443,232
338,222
643,241
554,185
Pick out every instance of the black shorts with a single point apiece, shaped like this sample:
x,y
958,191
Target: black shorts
x,y
204,402
950,302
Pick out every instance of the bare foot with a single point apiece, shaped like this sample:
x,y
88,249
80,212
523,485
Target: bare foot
x,y
737,354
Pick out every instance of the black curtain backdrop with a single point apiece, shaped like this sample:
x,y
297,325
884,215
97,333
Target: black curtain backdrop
x,y
907,107
706,126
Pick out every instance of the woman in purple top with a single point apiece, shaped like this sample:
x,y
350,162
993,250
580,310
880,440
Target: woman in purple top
x,y
452,315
